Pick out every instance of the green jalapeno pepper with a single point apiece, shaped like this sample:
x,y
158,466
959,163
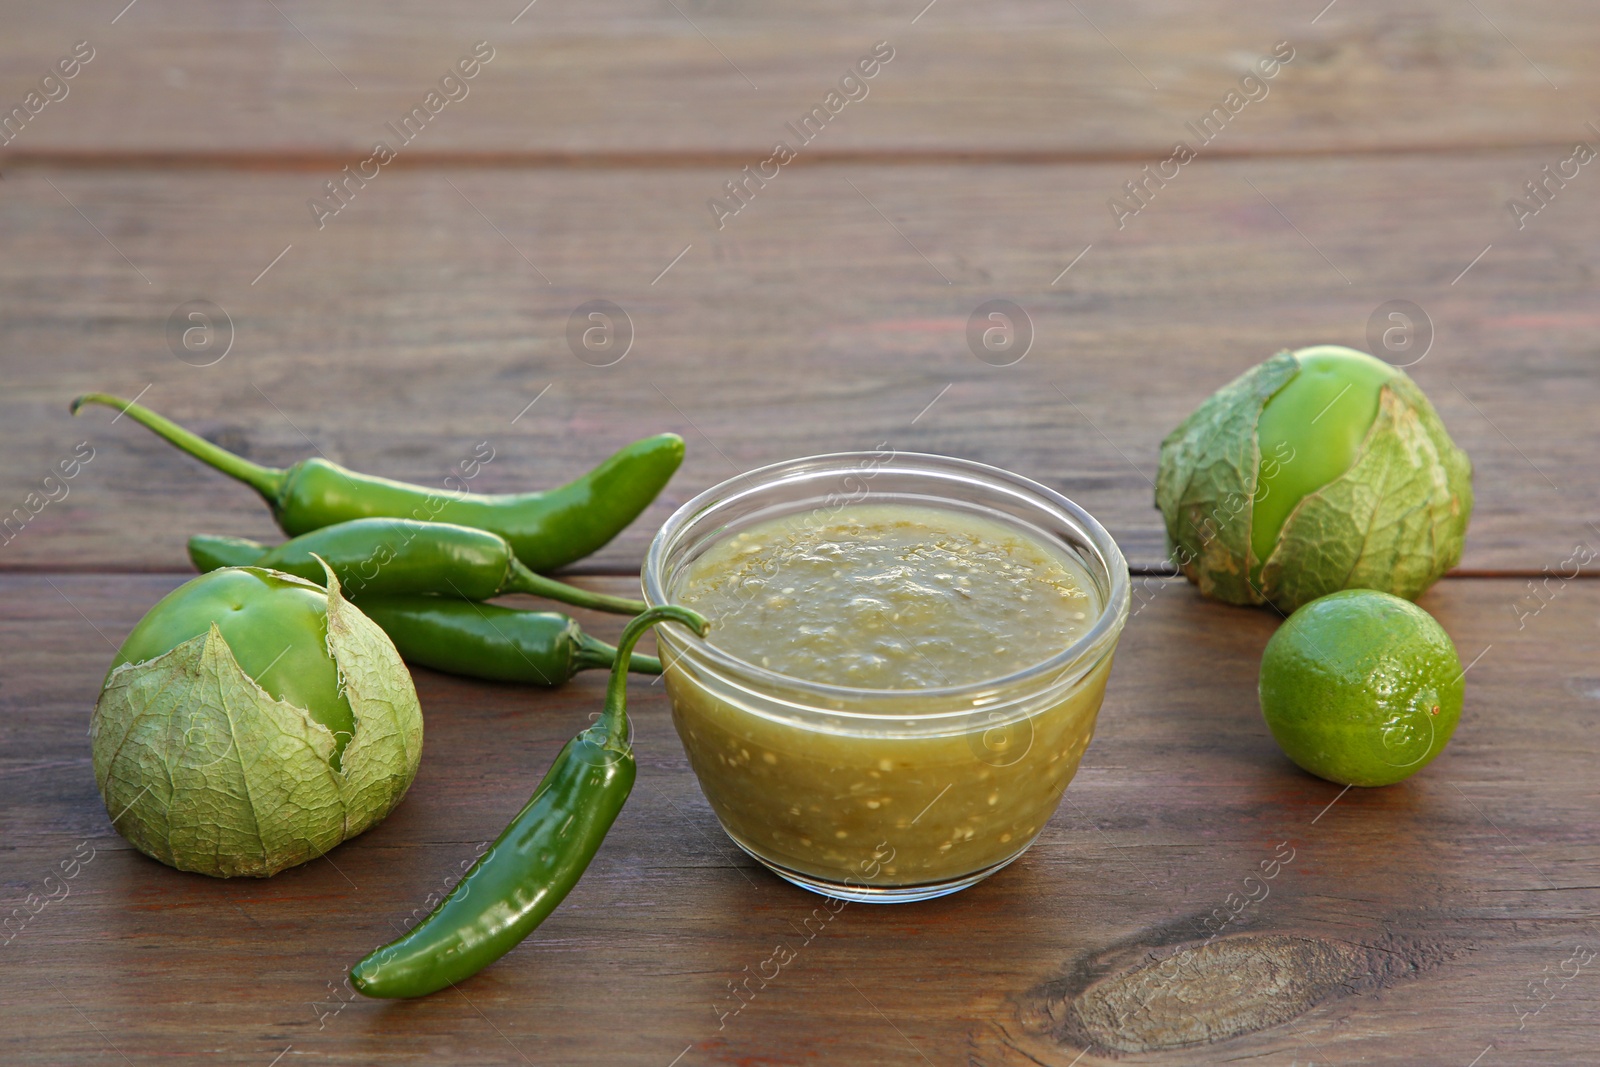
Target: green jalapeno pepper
x,y
388,556
531,866
456,636
209,552
489,641
546,529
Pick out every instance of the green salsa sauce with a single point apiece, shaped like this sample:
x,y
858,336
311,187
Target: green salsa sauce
x,y
887,596
894,599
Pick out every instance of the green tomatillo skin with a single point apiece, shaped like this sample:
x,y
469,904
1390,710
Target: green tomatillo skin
x,y
1314,471
206,769
546,529
275,624
1310,433
384,556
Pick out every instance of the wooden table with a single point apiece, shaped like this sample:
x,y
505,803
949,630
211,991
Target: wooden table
x,y
1423,923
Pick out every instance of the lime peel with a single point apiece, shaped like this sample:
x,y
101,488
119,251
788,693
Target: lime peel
x,y
1361,688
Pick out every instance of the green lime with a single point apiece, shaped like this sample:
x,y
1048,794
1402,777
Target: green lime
x,y
1361,687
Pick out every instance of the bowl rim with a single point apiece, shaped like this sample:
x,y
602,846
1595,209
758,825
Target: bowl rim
x,y
1085,651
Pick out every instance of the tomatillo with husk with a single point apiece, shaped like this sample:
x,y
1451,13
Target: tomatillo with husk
x,y
1319,470
252,721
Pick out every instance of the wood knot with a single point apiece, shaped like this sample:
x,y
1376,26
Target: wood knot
x,y
1196,994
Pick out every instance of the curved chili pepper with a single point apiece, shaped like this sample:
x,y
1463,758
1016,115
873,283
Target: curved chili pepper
x,y
546,529
532,866
489,641
385,556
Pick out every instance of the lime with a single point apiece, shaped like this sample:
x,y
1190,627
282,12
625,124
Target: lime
x,y
1361,687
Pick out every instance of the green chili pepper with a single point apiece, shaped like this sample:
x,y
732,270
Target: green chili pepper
x,y
489,641
210,552
387,556
536,861
456,636
547,529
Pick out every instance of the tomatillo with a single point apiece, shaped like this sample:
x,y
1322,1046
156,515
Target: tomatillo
x,y
1318,470
252,721
275,625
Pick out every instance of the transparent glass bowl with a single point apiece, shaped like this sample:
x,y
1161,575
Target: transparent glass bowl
x,y
884,795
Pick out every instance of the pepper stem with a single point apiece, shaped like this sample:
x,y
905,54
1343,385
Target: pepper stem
x,y
594,654
523,580
615,718
265,480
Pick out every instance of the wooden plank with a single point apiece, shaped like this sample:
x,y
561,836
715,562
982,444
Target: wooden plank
x,y
1473,879
1024,77
830,314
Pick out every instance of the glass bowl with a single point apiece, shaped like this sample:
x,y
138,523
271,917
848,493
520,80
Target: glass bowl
x,y
884,795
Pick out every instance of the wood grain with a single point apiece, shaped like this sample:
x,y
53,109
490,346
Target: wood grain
x,y
1025,77
1420,923
1486,858
1213,990
420,322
